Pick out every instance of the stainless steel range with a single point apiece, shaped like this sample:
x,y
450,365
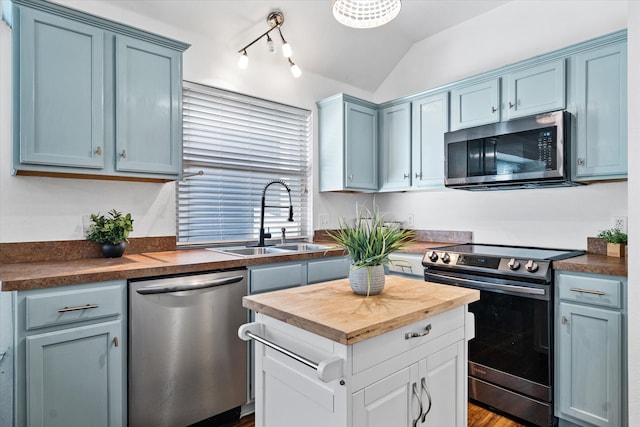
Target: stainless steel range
x,y
511,356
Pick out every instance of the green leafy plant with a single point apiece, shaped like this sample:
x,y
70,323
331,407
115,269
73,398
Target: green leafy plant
x,y
114,228
368,242
613,235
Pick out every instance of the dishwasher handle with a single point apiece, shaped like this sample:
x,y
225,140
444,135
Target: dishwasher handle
x,y
149,290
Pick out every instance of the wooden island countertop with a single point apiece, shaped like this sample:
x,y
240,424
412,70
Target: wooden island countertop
x,y
332,310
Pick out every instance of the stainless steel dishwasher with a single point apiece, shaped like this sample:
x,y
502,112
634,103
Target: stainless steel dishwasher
x,y
186,362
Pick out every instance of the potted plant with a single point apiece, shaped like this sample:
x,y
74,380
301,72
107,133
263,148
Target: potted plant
x,y
616,241
369,243
111,232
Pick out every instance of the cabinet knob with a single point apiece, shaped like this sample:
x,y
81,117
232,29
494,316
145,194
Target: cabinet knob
x,y
511,104
418,175
580,161
493,109
115,341
350,177
564,320
123,154
98,150
406,176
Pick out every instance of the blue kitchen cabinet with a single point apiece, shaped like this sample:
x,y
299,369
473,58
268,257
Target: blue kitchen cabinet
x,y
430,121
59,96
348,144
148,112
600,92
590,350
475,104
537,89
395,147
71,353
93,98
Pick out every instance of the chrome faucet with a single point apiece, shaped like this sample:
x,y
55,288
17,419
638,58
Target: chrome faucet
x,y
264,235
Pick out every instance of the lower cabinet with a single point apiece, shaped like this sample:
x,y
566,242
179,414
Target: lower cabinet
x,y
590,348
430,393
393,379
71,352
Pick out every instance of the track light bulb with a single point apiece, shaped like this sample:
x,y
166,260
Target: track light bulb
x,y
270,47
243,61
295,70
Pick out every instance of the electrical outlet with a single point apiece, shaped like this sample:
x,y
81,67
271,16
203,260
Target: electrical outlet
x,y
323,219
409,220
620,222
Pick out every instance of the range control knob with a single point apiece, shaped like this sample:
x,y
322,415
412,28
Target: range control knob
x,y
513,264
531,266
446,258
432,255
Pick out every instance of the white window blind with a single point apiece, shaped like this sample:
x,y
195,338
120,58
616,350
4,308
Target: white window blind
x,y
241,143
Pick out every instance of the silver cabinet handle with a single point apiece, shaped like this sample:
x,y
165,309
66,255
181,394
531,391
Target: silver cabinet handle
x,y
123,154
580,161
417,396
410,335
564,320
350,177
77,308
115,341
511,105
426,390
406,176
99,150
587,291
493,109
418,175
190,287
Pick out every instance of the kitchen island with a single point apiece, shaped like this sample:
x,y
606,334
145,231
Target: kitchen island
x,y
325,356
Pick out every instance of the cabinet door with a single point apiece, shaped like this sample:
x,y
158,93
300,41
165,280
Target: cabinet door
x,y
589,365
430,122
601,113
475,105
361,143
392,401
536,90
148,107
442,387
395,147
60,91
74,377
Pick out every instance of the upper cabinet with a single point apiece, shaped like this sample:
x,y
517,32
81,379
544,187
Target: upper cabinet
x,y
600,92
348,138
534,90
93,97
430,116
395,147
475,104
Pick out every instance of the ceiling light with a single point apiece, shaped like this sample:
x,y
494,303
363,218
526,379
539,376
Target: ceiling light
x,y
275,20
365,13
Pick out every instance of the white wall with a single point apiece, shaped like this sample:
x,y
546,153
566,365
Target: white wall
x,y
41,209
549,217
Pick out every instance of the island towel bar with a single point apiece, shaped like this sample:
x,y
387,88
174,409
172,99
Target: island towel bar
x,y
328,370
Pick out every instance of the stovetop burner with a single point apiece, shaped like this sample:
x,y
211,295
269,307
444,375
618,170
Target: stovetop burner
x,y
504,251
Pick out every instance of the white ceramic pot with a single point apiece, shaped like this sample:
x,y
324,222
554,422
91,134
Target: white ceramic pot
x,y
367,280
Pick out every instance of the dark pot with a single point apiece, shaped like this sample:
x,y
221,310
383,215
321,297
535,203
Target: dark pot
x,y
110,250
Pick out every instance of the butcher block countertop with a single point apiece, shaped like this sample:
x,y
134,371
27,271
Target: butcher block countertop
x,y
332,310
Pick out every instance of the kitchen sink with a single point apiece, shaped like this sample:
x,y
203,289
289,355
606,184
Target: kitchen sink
x,y
270,250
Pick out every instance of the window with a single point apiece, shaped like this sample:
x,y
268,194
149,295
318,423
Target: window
x,y
241,143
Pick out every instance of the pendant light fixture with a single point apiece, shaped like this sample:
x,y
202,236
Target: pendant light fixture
x,y
275,20
365,13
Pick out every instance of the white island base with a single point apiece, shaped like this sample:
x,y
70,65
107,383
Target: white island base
x,y
414,375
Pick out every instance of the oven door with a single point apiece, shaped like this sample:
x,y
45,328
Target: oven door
x,y
510,358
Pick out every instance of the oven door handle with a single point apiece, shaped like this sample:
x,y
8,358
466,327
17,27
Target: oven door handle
x,y
476,284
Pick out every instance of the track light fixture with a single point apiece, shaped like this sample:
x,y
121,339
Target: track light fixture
x,y
275,20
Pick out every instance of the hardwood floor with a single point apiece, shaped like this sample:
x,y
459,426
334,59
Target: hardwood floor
x,y
478,417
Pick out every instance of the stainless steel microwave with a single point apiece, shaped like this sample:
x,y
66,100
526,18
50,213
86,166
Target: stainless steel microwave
x,y
530,152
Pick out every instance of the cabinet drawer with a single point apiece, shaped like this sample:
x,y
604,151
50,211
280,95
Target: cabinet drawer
x,y
276,277
383,347
70,306
590,290
330,269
